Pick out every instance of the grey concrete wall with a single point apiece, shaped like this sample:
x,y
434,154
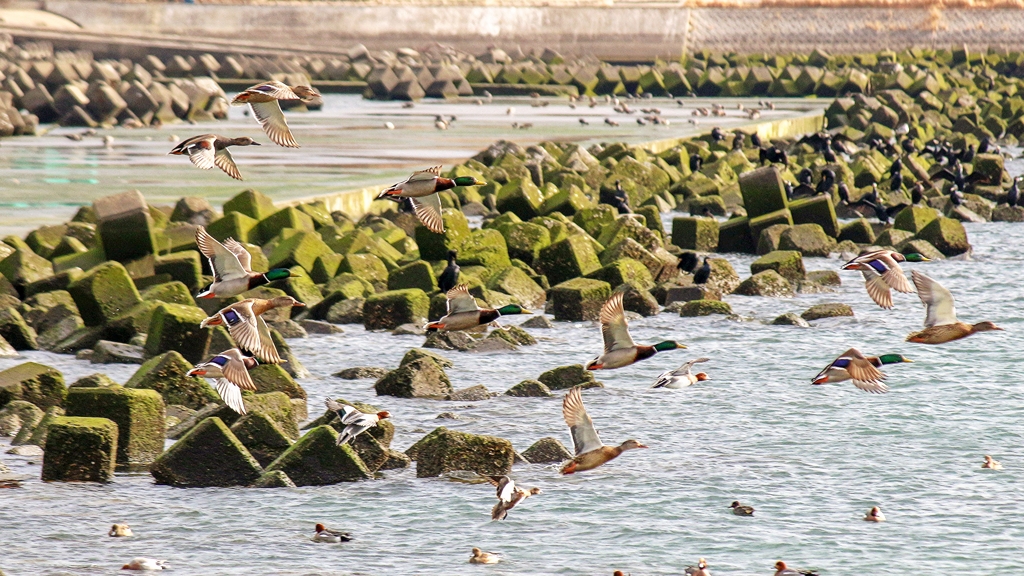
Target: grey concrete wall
x,y
625,32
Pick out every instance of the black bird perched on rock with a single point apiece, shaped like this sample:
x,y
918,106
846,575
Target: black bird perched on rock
x,y
773,155
881,212
739,139
703,273
917,193
844,193
956,196
966,155
908,145
717,135
695,162
984,145
895,167
828,155
828,180
450,275
870,197
755,140
1013,194
896,183
619,199
789,189
805,179
687,262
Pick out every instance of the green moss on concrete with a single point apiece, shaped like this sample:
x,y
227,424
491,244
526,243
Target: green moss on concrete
x,y
168,375
207,455
32,382
516,283
417,274
24,267
234,225
695,308
435,246
566,259
579,299
139,415
521,197
185,267
807,239
449,450
485,248
858,231
817,210
301,249
261,436
169,292
176,327
317,460
252,203
763,192
914,218
367,267
16,331
947,235
274,378
734,236
566,377
80,450
421,378
788,263
692,233
389,310
623,271
104,293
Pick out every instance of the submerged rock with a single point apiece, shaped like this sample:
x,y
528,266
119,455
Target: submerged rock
x,y
470,394
704,308
446,450
261,436
566,377
529,389
830,310
317,460
547,451
168,375
362,373
539,321
767,283
421,378
790,319
208,455
274,479
32,382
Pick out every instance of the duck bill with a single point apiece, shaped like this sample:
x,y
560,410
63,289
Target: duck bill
x,y
197,372
299,305
820,380
908,360
681,346
641,446
525,311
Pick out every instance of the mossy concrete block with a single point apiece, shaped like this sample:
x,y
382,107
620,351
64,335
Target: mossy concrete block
x,y
19,414
422,378
168,375
104,293
914,218
485,248
169,292
83,260
770,237
712,203
569,200
176,327
629,248
626,226
389,310
829,310
32,382
366,267
274,378
625,271
547,451
529,389
252,203
807,239
417,353
44,240
817,210
569,258
734,236
436,246
767,220
579,299
274,479
893,237
566,377
125,226
449,450
990,166
521,197
59,281
261,436
317,460
302,288
516,283
207,455
80,450
787,263
525,240
301,249
234,225
185,267
947,235
640,179
763,191
139,415
371,452
418,274
790,319
691,233
765,283
16,331
704,308
858,231
37,435
24,267
593,220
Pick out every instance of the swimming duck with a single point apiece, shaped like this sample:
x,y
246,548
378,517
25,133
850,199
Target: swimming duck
x,y
422,188
681,377
209,150
232,269
120,531
940,322
450,275
991,464
874,515
263,102
701,569
231,369
145,564
508,496
481,557
782,570
619,348
244,321
356,422
590,451
464,313
882,271
740,510
325,534
863,370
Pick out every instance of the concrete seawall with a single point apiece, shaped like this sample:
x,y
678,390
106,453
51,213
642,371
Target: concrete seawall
x,y
616,32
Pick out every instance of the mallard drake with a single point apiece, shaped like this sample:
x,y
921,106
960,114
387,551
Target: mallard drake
x,y
449,277
481,557
422,188
231,369
874,515
940,321
263,102
464,313
681,377
590,451
327,535
991,464
619,348
782,570
882,271
508,495
120,531
145,564
244,321
209,150
356,422
741,510
701,569
863,370
232,268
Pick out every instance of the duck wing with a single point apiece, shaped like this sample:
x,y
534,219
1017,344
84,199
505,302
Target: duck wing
x,y
223,262
271,118
877,288
200,151
613,326
251,332
506,488
894,276
859,367
236,248
428,210
939,306
687,366
223,160
664,379
274,89
581,427
431,173
460,300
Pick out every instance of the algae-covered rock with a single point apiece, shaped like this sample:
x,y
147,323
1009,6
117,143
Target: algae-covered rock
x,y
252,203
23,267
760,223
947,235
107,352
787,263
816,210
436,246
485,248
301,249
176,327
547,451
807,239
516,283
361,373
261,436
858,231
448,450
139,415
80,450
765,283
125,226
529,389
16,331
624,271
32,382
691,233
704,308
579,299
317,460
169,292
521,197
168,375
208,455
37,435
627,226
104,293
389,310
18,414
421,378
734,236
274,479
93,381
763,191
566,377
914,218
417,274
569,258
790,319
525,240
274,378
829,310
371,452
185,267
